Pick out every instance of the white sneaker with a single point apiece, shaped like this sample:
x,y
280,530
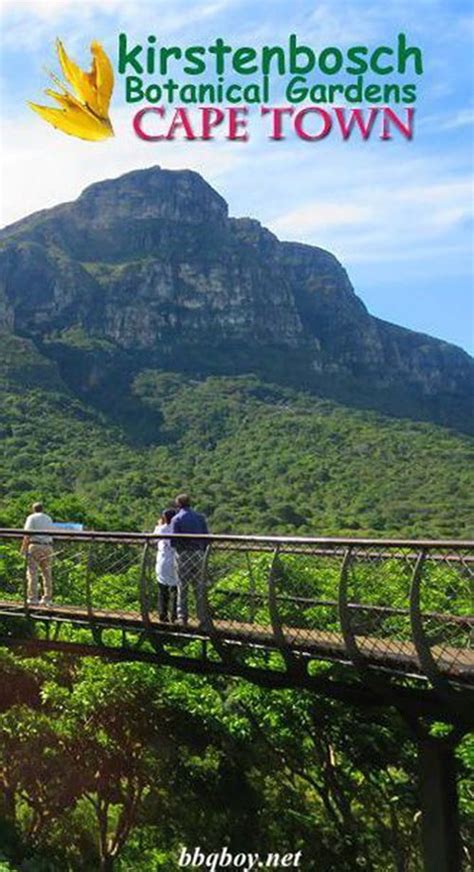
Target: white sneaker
x,y
45,601
32,601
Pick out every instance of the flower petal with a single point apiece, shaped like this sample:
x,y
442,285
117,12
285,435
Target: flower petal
x,y
74,119
83,113
79,81
103,77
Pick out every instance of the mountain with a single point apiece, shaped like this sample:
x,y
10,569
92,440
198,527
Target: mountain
x,y
259,458
149,344
149,271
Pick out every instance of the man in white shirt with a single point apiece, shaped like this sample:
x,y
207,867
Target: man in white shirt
x,y
38,548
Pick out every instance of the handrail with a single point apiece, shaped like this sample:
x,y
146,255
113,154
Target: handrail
x,y
127,536
399,605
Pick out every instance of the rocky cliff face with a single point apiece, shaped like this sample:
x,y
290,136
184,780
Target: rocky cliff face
x,y
148,270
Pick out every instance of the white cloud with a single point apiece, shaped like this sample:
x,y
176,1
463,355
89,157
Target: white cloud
x,y
396,206
51,8
446,122
463,118
376,202
125,10
43,167
314,216
439,193
30,23
343,24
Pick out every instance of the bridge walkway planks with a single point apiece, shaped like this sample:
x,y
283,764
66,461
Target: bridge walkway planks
x,y
391,654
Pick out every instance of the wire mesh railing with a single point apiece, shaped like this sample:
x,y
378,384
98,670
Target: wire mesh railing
x,y
394,604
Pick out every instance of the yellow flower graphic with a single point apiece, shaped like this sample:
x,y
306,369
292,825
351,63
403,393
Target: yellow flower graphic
x,y
84,113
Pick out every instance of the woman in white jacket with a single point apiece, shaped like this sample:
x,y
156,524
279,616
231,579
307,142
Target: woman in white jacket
x,y
166,571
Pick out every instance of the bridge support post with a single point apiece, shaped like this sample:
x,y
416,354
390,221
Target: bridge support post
x,y
439,805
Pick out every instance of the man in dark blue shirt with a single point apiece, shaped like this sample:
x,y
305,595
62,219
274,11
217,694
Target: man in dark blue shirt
x,y
189,552
187,520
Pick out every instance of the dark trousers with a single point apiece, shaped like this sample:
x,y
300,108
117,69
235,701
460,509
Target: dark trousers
x,y
166,602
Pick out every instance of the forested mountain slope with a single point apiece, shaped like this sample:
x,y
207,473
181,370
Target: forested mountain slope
x,y
258,457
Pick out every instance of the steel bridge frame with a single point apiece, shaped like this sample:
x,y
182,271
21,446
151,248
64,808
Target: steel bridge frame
x,y
421,695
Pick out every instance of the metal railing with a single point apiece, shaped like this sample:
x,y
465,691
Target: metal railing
x,y
399,605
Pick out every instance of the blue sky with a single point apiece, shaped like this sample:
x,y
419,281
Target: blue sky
x,y
398,215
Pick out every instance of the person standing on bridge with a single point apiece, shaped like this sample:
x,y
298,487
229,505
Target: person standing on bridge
x,y
166,569
189,552
37,545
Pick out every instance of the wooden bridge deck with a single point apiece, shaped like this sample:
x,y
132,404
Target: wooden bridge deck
x,y
391,654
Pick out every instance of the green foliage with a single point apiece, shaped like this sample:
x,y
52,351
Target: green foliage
x,y
258,457
117,766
